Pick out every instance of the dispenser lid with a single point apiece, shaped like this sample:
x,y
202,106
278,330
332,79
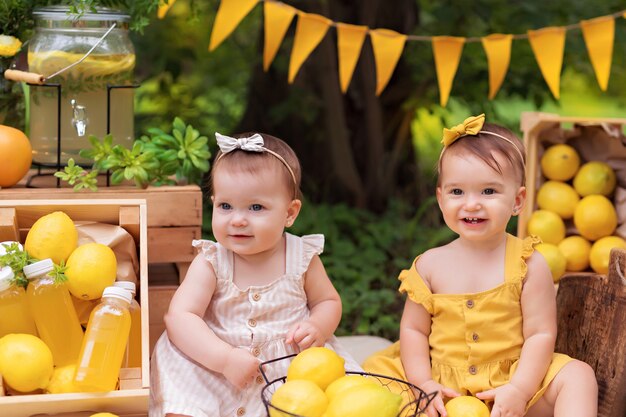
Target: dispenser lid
x,y
62,13
127,285
38,268
118,292
6,277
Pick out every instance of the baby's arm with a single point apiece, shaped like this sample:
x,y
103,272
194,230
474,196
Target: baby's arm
x,y
324,305
538,303
188,331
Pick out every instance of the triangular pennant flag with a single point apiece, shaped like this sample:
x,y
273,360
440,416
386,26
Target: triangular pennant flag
x,y
278,17
164,8
447,51
388,46
349,43
599,35
498,50
229,14
548,45
309,33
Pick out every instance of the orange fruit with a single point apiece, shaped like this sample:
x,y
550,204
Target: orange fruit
x,y
16,156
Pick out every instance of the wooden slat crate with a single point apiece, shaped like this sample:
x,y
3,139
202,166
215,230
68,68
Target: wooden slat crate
x,y
174,215
16,217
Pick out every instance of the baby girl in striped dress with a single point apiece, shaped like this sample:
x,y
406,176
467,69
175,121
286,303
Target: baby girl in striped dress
x,y
256,294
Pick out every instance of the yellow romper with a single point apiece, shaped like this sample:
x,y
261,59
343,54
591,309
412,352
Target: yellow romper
x,y
476,339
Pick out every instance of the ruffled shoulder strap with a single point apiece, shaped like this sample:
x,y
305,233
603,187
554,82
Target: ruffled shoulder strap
x,y
216,254
300,251
517,252
414,286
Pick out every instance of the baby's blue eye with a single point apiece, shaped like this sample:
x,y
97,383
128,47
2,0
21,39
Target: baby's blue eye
x,y
224,206
256,207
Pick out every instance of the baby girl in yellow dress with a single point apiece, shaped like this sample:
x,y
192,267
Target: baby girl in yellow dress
x,y
480,317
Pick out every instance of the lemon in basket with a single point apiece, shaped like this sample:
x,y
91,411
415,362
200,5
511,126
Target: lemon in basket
x,y
318,364
25,362
547,225
52,236
595,177
555,259
601,252
560,162
467,406
576,250
90,269
62,380
338,386
595,217
558,197
365,401
299,397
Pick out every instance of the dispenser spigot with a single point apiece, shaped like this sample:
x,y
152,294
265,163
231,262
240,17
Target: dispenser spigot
x,y
80,120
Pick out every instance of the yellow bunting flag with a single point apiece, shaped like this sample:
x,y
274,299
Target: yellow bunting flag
x,y
447,51
229,14
164,8
388,46
309,33
547,45
278,17
498,50
349,43
599,35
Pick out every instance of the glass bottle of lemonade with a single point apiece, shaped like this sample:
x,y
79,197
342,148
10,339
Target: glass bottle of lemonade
x,y
51,306
15,316
133,351
104,346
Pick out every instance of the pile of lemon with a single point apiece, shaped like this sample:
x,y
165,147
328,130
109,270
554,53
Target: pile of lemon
x,y
25,360
576,218
317,386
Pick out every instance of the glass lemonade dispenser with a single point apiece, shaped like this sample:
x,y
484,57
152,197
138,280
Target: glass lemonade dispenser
x,y
90,60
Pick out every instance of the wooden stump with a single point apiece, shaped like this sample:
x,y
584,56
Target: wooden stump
x,y
591,314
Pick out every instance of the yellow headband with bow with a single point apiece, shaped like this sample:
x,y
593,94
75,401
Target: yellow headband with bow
x,y
471,127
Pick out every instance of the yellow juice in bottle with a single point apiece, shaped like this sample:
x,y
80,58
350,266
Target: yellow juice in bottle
x,y
133,351
15,316
104,345
51,305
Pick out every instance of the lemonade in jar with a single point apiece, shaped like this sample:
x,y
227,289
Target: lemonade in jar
x,y
61,40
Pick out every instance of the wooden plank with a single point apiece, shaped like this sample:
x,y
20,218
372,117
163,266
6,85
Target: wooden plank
x,y
160,297
172,244
9,229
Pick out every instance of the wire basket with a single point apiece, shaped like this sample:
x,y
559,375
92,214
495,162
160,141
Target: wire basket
x,y
414,399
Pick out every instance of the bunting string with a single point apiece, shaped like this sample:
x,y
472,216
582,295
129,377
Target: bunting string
x,y
547,44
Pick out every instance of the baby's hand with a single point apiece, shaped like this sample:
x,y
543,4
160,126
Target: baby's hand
x,y
508,400
436,407
305,334
241,367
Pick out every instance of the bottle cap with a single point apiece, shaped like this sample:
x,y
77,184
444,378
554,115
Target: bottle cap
x,y
38,268
3,249
127,285
117,292
6,277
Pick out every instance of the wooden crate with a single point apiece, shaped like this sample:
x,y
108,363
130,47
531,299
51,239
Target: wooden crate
x,y
174,215
16,217
537,129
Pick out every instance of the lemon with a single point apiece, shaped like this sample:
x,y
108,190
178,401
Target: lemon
x,y
63,380
52,236
601,252
595,217
25,362
365,401
299,397
558,197
547,225
555,259
576,251
90,269
104,415
318,364
467,406
560,162
338,386
595,177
